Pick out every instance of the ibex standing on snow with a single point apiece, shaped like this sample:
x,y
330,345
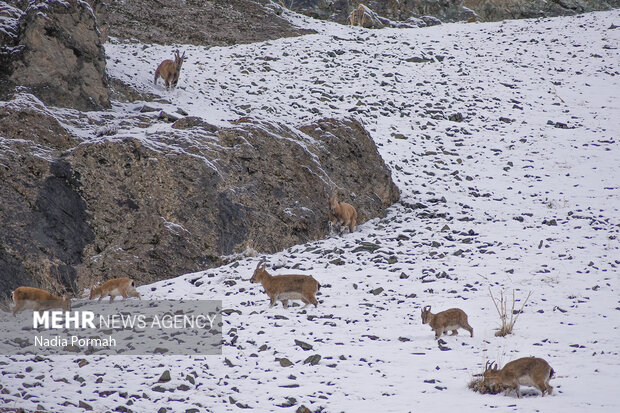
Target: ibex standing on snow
x,y
169,70
449,320
286,287
124,287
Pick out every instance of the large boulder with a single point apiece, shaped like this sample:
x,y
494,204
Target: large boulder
x,y
364,17
56,53
181,201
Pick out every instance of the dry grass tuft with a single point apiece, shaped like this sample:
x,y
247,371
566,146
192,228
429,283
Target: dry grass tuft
x,y
501,304
477,384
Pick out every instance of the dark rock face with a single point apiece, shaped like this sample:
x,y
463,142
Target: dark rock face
x,y
397,10
214,23
124,207
495,10
56,53
43,215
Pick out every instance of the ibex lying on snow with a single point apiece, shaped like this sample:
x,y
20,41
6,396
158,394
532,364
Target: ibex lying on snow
x,y
118,286
169,70
341,213
38,300
286,287
449,320
526,371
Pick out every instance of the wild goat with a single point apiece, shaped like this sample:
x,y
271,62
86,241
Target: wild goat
x,y
117,286
286,287
526,371
449,320
38,300
169,70
341,213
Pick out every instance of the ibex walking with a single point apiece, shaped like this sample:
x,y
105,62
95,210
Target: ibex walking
x,y
449,320
169,70
38,300
124,287
526,371
286,287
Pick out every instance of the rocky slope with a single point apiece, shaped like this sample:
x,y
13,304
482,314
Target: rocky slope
x,y
82,198
495,10
449,10
215,23
176,202
504,154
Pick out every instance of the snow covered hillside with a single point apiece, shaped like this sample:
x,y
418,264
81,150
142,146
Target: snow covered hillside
x,y
503,139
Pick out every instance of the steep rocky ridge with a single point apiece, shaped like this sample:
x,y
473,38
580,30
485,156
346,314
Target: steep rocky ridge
x,y
110,206
495,10
450,10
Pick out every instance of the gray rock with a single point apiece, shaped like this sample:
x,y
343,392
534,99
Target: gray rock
x,y
313,360
62,40
165,377
253,184
305,346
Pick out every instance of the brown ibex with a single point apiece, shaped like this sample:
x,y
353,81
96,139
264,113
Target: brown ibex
x,y
341,213
449,320
286,287
38,300
124,287
526,371
169,70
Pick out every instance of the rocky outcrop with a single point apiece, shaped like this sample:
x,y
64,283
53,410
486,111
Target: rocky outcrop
x,y
153,209
56,52
390,10
495,10
364,17
205,23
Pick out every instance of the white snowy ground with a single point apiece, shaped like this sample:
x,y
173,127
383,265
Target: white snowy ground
x,y
475,176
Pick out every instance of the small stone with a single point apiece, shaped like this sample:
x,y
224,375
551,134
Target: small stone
x,y
85,405
166,117
165,377
313,360
377,291
305,346
284,362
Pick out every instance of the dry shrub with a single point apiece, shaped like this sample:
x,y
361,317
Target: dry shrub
x,y
501,305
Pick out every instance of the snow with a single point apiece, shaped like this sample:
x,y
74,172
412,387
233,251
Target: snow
x,y
486,185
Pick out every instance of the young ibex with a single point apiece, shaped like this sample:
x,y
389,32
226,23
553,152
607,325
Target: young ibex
x,y
449,320
118,286
38,300
526,371
341,213
286,287
169,70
